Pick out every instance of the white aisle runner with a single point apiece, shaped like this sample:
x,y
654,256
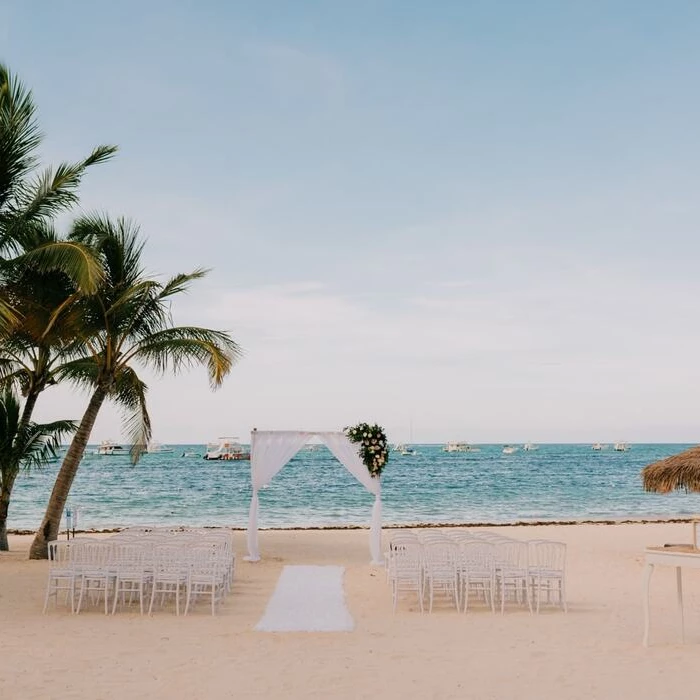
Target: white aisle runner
x,y
308,599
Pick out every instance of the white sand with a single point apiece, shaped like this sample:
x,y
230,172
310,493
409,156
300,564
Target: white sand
x,y
592,652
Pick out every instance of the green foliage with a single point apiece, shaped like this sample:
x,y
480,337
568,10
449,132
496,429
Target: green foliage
x,y
373,446
128,324
26,446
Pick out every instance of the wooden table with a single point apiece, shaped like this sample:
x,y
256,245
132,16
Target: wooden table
x,y
678,555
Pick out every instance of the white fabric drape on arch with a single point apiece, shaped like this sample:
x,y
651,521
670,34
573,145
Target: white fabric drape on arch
x,y
272,449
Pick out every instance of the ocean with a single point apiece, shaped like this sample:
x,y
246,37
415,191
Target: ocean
x,y
552,483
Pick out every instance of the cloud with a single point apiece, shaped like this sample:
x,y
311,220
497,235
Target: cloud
x,y
516,356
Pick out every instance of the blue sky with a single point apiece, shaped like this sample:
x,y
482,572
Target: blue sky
x,y
476,218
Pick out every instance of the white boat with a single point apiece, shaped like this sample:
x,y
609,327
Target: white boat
x,y
459,447
509,450
621,446
107,447
226,448
598,446
530,447
154,446
404,450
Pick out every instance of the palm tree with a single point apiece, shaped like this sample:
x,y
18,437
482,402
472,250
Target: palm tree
x,y
22,447
41,337
30,199
125,325
40,273
47,322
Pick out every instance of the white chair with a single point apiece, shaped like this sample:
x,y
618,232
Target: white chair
x,y
398,540
207,576
440,569
477,569
130,572
92,562
170,574
547,571
512,574
405,570
62,574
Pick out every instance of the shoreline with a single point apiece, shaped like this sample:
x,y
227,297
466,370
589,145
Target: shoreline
x,y
389,526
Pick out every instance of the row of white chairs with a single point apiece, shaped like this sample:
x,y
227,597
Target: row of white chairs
x,y
458,563
143,565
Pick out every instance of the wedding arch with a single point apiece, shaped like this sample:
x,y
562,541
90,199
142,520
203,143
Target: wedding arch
x,y
270,450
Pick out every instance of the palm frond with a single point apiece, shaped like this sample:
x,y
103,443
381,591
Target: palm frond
x,y
42,441
82,373
130,393
8,317
56,190
180,283
75,260
187,346
29,446
19,134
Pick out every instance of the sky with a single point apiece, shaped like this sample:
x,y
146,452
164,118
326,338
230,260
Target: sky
x,y
471,220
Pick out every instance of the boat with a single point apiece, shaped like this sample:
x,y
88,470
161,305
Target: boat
x,y
154,446
621,446
459,447
404,450
509,449
598,446
107,447
226,448
530,447
312,447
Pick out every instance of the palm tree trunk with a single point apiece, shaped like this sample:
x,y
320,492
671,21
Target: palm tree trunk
x,y
27,411
6,484
48,531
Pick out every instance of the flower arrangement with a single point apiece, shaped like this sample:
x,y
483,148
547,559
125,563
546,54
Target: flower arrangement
x,y
372,446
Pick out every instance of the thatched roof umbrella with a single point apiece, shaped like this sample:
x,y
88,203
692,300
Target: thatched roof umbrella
x,y
681,471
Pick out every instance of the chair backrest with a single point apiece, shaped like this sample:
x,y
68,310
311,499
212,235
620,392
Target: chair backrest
x,y
130,556
93,552
59,554
169,558
478,555
440,552
511,554
547,555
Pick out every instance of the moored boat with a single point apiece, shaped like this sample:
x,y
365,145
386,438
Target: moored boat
x,y
109,448
154,446
227,448
459,447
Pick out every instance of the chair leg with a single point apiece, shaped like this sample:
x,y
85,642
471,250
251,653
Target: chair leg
x,y
527,595
80,597
153,596
48,595
116,596
562,593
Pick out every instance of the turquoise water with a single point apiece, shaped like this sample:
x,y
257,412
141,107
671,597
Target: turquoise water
x,y
555,482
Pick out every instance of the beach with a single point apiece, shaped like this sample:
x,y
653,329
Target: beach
x,y
593,651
